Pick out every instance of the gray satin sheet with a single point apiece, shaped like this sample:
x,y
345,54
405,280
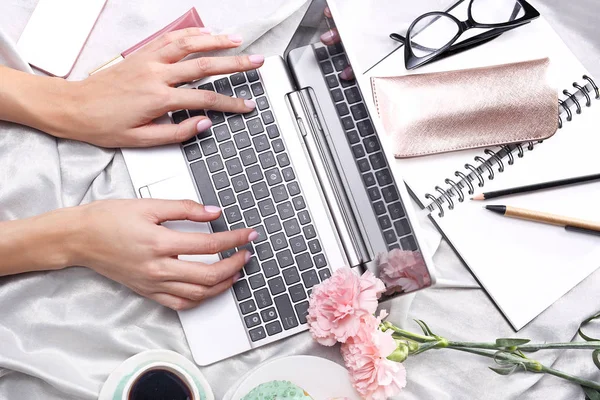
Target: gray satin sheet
x,y
63,332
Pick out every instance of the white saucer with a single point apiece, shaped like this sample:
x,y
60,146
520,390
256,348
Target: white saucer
x,y
319,377
132,363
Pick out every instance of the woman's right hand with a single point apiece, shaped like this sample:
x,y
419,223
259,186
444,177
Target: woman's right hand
x,y
124,241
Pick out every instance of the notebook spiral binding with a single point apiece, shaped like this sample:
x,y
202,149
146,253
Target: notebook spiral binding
x,y
495,163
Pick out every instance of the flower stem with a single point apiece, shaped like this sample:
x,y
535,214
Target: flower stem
x,y
530,347
560,374
402,334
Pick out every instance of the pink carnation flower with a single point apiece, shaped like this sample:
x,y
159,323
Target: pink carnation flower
x,y
403,271
338,304
371,373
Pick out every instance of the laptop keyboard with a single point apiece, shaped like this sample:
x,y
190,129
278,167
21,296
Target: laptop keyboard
x,y
242,164
366,149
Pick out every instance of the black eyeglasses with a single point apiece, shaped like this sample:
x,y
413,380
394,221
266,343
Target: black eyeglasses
x,y
432,36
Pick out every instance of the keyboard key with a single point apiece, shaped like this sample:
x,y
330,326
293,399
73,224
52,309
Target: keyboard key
x,y
379,208
273,328
279,193
345,82
389,194
348,123
284,258
283,160
192,152
291,227
254,173
279,241
243,92
272,224
288,174
374,193
264,251
263,298
383,177
239,183
227,198
252,266
248,306
408,243
248,157
321,53
303,261
221,181
204,134
255,126
297,244
320,260
216,117
352,95
368,179
252,75
257,89
242,140
309,232
299,203
266,208
260,190
326,67
363,165
340,62
273,176
302,311
241,290
221,133
286,313
335,49
261,143
277,286
214,163
267,160
293,187
228,149
389,236
236,123
377,160
297,293
257,281
358,151
278,146
267,117
291,276
239,225
285,210
365,128
270,269
402,227
262,103
207,86
257,334
331,81
304,217
248,246
233,214
209,147
324,274
238,79
337,95
371,144
227,253
359,111
250,114
342,109
314,246
179,116
234,166
262,234
353,137
222,86
207,193
251,217
269,314
272,131
252,320
384,222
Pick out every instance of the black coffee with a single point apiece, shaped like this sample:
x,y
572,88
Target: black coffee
x,y
159,384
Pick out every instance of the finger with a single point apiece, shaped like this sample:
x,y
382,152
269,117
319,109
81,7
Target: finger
x,y
347,73
209,243
331,37
327,12
191,70
206,100
186,45
180,210
173,302
157,134
197,293
207,274
173,36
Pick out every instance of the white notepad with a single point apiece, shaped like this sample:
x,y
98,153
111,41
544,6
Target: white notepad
x,y
523,266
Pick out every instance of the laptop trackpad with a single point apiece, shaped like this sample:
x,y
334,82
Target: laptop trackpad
x,y
214,330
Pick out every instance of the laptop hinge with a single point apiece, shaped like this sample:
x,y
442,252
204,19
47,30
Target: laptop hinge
x,y
313,131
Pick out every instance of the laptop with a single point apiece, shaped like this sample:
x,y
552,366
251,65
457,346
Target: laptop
x,y
305,169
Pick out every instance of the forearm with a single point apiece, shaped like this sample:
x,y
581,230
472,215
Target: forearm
x,y
40,102
44,242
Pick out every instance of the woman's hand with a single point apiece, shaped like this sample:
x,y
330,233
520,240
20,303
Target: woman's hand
x,y
124,241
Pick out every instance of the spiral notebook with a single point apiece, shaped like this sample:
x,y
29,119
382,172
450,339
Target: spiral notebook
x,y
523,266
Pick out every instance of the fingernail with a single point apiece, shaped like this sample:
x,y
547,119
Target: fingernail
x,y
237,277
256,58
252,236
203,125
205,29
347,73
212,209
250,103
248,255
235,38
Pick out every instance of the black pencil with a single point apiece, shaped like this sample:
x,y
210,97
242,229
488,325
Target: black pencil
x,y
535,186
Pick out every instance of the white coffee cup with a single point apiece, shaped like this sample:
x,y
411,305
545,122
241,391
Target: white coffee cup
x,y
185,377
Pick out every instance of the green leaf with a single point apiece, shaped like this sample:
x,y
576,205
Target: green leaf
x,y
509,342
591,394
584,336
424,327
425,347
504,370
595,355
